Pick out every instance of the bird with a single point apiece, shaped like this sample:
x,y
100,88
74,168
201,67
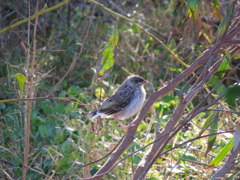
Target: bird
x,y
125,102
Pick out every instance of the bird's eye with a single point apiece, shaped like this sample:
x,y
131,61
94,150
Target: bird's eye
x,y
137,81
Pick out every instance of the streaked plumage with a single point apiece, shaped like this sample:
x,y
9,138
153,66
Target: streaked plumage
x,y
127,100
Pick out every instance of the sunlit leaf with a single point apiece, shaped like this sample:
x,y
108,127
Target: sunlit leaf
x,y
215,3
225,64
21,79
108,54
142,127
192,4
186,157
99,93
216,10
223,153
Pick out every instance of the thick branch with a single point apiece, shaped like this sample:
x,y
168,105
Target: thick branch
x,y
154,96
159,146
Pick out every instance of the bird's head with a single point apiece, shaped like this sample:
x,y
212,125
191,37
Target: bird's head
x,y
137,80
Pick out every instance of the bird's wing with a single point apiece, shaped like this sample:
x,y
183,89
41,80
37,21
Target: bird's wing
x,y
118,101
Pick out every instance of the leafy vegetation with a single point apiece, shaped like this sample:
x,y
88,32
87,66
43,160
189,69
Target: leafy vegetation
x,y
83,53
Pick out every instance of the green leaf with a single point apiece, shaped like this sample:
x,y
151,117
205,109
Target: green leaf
x,y
108,54
67,146
223,25
21,79
142,127
212,139
47,130
215,4
136,159
217,84
47,108
223,153
225,64
232,94
186,157
213,127
192,4
74,90
59,108
209,120
2,106
43,130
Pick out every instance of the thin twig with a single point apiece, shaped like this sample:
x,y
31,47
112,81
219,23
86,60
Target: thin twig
x,y
41,98
6,174
75,59
164,152
224,110
43,11
31,94
39,172
93,162
135,22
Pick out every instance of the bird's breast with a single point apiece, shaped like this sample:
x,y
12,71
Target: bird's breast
x,y
135,104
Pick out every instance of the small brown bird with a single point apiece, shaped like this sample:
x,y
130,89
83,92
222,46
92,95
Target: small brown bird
x,y
127,101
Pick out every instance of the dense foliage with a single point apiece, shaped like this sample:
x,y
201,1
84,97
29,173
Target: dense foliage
x,y
102,50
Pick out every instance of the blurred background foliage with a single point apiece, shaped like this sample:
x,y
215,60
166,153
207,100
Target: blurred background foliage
x,y
62,138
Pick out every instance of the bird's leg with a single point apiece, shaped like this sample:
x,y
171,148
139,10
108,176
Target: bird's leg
x,y
122,125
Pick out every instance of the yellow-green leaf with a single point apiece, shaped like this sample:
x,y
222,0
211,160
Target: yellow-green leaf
x,y
108,54
192,11
99,93
21,79
222,154
225,64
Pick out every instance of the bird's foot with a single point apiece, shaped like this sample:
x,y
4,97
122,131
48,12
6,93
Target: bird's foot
x,y
129,125
124,126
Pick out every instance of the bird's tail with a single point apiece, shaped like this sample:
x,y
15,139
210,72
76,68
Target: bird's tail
x,y
93,114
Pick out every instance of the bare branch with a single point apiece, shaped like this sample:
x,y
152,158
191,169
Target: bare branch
x,y
175,147
95,160
6,174
29,104
154,96
158,147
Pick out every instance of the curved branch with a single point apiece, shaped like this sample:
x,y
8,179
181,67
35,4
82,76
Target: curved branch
x,y
153,97
164,152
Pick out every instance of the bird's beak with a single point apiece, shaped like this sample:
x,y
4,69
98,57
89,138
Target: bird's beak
x,y
145,82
